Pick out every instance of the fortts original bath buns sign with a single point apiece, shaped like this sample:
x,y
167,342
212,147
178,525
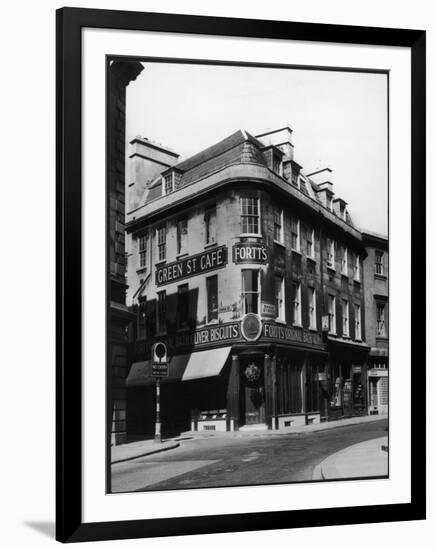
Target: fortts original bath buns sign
x,y
193,265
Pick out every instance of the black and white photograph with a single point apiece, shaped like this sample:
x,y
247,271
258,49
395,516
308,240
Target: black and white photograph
x,y
247,275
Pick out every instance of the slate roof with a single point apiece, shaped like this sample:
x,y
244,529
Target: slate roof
x,y
238,148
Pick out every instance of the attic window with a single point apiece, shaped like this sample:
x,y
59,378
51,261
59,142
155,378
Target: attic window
x,y
277,164
168,182
303,186
294,177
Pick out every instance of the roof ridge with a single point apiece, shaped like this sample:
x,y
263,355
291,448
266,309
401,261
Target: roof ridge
x,y
216,149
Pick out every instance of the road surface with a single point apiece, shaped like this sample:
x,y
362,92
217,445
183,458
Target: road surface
x,y
233,461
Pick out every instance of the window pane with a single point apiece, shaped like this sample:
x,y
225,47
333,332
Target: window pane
x,y
212,292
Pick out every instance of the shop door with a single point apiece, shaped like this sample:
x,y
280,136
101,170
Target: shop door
x,y
253,395
373,393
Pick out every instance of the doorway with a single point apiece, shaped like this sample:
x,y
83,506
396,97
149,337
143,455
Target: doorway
x,y
253,393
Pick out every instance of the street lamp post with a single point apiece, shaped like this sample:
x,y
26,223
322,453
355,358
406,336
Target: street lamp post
x,y
159,369
158,411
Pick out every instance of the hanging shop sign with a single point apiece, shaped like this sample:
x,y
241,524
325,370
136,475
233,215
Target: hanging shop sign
x,y
192,265
249,253
268,310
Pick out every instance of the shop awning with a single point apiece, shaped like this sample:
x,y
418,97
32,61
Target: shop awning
x,y
378,352
140,373
203,364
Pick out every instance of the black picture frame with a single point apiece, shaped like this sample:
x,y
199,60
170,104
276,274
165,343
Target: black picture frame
x,y
69,523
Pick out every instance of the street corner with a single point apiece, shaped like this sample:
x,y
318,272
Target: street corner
x,y
362,460
131,451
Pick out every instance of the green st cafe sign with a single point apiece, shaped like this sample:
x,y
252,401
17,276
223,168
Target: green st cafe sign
x,y
193,265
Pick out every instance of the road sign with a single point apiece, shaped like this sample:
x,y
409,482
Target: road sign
x,y
160,369
159,352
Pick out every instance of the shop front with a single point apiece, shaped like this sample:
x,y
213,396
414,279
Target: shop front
x,y
378,381
244,375
346,374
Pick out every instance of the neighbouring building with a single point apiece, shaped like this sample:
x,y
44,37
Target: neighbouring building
x,y
375,269
119,317
251,273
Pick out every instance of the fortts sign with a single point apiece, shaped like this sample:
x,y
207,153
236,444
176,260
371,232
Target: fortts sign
x,y
193,265
243,253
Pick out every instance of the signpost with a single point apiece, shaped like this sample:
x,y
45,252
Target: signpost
x,y
159,369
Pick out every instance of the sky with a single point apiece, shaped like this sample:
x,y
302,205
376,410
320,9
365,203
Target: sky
x,y
339,120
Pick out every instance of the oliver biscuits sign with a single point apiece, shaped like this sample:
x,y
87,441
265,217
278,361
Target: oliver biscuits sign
x,y
192,265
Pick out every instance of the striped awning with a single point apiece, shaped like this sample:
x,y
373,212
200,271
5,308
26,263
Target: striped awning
x,y
191,366
204,364
140,373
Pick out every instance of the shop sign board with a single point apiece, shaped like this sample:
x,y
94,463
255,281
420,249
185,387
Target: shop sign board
x,y
249,253
275,331
268,309
190,266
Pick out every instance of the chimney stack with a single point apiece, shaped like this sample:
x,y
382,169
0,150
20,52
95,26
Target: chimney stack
x,y
147,161
281,138
323,179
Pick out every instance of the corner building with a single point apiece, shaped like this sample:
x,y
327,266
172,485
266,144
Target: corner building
x,y
250,272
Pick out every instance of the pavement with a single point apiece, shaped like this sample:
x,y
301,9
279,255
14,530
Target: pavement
x,y
366,459
146,447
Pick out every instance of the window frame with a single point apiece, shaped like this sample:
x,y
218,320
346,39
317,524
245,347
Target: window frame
x,y
312,252
312,308
357,274
142,326
179,249
381,264
345,318
277,162
208,211
161,244
208,319
295,235
357,322
344,262
280,309
331,254
381,306
332,315
297,305
280,225
244,216
244,292
182,323
165,192
161,311
142,251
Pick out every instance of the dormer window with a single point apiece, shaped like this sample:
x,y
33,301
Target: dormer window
x,y
277,165
329,201
303,186
168,184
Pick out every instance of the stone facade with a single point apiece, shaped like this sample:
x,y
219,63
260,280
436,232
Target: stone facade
x,y
239,251
119,318
376,273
